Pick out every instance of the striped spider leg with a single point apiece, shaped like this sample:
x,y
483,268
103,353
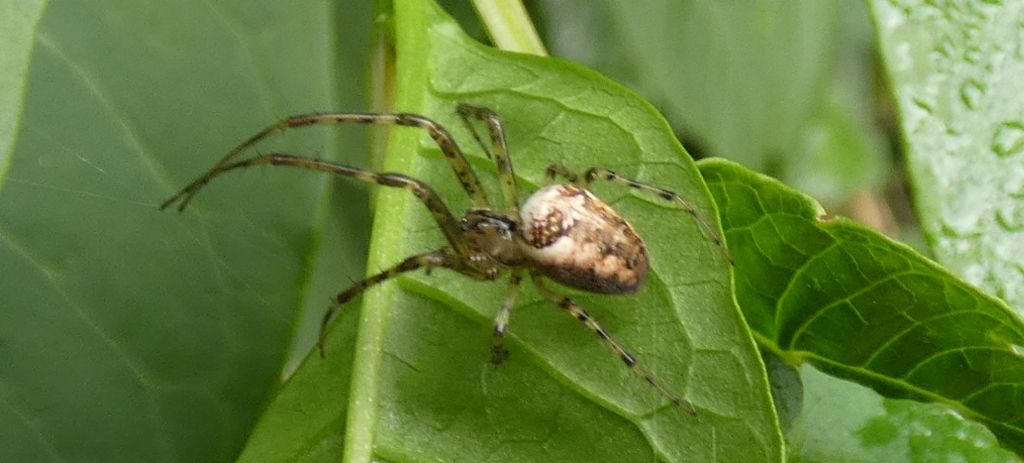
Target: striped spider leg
x,y
467,177
507,178
497,131
569,305
562,232
600,173
458,256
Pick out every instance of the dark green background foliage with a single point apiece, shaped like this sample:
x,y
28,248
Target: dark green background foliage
x,y
131,334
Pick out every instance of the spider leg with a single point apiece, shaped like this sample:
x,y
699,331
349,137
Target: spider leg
x,y
498,351
443,217
501,157
557,170
464,112
580,314
467,177
598,173
429,260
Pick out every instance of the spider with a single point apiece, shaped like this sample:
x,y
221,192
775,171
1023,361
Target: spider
x,y
561,232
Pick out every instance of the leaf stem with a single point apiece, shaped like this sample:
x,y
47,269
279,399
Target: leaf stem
x,y
509,26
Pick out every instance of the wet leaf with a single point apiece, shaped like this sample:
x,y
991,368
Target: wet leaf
x,y
955,70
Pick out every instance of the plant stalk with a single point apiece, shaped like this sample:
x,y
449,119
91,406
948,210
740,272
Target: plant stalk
x,y
509,26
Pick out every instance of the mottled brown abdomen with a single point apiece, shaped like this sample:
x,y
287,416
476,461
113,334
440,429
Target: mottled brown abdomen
x,y
578,240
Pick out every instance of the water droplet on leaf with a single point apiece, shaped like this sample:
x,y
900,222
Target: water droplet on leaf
x,y
1008,139
971,93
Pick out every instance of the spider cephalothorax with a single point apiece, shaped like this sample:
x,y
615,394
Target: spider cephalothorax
x,y
495,235
562,231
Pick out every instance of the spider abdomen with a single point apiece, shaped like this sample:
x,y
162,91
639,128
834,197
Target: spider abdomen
x,y
576,239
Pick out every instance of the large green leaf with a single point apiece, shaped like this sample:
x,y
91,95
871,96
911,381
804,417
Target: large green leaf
x,y
863,307
422,388
126,333
955,69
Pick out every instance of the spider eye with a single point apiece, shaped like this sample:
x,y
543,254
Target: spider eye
x,y
486,221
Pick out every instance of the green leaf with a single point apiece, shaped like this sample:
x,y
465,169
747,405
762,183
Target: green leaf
x,y
955,70
842,150
18,20
305,418
741,78
127,333
839,155
784,88
844,422
863,307
422,388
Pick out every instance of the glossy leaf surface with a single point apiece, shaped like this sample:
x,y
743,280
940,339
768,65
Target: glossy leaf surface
x,y
863,307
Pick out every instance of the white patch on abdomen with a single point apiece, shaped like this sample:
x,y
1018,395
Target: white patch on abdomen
x,y
577,239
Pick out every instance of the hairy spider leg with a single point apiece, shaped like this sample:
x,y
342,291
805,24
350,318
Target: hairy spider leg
x,y
429,260
577,312
555,170
467,177
429,198
464,115
600,173
501,157
498,351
